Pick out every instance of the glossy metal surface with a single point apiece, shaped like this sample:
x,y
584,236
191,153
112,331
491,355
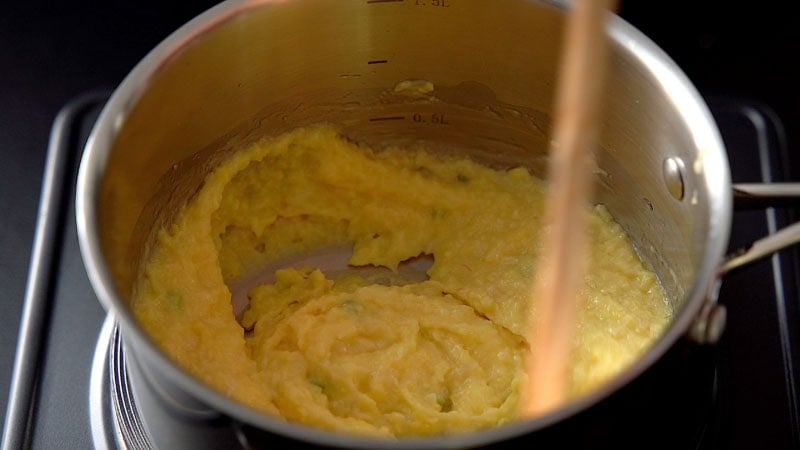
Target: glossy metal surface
x,y
249,68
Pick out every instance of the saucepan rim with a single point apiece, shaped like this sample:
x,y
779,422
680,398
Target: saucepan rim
x,y
671,80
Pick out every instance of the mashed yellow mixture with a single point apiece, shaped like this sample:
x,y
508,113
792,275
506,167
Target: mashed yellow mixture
x,y
379,353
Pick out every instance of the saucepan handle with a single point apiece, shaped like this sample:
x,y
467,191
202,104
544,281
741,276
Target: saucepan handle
x,y
761,248
763,195
710,323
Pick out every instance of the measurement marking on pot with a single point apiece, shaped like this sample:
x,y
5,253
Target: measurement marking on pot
x,y
433,118
381,119
378,61
439,3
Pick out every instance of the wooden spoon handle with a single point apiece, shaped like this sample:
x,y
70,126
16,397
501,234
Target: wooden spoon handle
x,y
564,253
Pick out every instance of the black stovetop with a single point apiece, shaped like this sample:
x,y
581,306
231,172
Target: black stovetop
x,y
740,394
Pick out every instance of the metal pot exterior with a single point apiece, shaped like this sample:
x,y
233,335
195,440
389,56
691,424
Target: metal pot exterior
x,y
466,77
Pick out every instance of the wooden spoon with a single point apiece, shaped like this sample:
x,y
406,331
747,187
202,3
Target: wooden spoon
x,y
565,250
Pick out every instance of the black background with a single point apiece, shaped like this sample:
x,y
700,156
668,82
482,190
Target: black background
x,y
52,52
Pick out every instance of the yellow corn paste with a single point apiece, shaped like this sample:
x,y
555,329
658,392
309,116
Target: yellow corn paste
x,y
379,353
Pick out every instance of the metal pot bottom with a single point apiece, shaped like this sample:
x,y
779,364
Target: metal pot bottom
x,y
669,406
126,417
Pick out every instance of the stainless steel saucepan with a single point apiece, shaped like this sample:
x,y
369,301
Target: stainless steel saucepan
x,y
466,76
